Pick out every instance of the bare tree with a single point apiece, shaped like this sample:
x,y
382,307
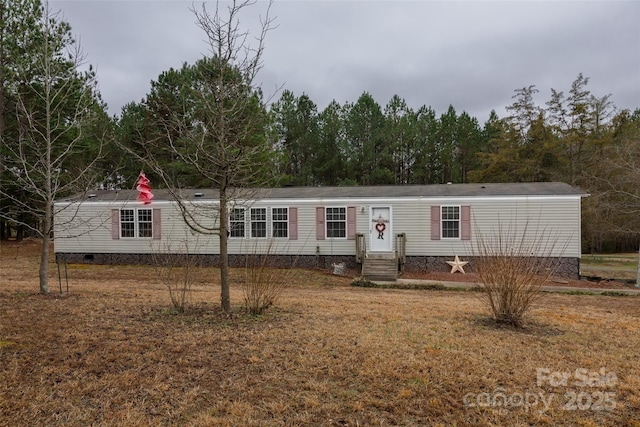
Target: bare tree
x,y
613,180
213,121
52,155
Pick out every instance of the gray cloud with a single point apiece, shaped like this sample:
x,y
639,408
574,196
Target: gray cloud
x,y
471,55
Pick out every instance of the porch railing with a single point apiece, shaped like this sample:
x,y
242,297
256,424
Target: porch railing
x,y
401,250
361,249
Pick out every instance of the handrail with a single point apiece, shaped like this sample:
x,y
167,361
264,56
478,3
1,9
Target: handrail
x,y
361,249
401,250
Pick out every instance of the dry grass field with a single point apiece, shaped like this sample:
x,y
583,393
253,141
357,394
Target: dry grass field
x,y
614,266
113,352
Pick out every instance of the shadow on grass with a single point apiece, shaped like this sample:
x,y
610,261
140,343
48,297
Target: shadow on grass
x,y
212,314
530,327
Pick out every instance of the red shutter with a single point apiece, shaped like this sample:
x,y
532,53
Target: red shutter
x,y
293,223
435,222
351,223
465,222
115,224
320,232
157,224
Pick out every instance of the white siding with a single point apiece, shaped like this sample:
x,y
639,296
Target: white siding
x,y
558,218
88,229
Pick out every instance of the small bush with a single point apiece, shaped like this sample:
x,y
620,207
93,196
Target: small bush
x,y
363,282
512,268
175,271
263,283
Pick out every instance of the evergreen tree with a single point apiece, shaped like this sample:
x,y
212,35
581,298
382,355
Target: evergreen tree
x,y
447,148
367,160
330,164
401,141
470,144
426,133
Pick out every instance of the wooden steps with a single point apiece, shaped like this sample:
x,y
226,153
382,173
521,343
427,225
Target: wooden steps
x,y
380,267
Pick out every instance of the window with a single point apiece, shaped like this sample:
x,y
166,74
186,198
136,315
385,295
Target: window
x,y
258,222
336,222
450,222
280,222
236,222
261,223
136,223
127,223
145,223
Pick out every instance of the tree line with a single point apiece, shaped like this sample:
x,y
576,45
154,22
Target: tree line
x,y
575,137
57,139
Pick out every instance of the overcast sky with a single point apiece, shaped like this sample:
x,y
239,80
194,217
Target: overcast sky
x,y
469,54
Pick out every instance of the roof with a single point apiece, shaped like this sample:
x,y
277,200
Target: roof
x,y
369,192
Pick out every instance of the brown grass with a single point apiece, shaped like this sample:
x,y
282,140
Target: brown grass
x,y
113,352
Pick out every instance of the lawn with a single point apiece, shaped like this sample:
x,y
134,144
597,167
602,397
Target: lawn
x,y
621,266
113,352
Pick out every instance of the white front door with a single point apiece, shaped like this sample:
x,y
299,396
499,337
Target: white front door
x,y
380,235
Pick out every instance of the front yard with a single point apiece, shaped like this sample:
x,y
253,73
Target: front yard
x,y
113,352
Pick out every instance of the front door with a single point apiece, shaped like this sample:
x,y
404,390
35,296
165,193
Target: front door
x,y
380,236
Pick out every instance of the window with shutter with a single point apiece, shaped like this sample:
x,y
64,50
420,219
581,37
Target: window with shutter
x,y
280,222
135,223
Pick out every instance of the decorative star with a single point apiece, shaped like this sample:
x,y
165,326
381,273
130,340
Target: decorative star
x,y
456,265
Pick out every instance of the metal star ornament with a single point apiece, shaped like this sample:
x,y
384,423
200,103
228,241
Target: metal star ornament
x,y
457,265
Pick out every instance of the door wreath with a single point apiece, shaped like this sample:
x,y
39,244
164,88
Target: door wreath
x,y
380,227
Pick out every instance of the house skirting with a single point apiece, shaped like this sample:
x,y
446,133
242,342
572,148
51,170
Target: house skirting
x,y
568,267
208,260
565,267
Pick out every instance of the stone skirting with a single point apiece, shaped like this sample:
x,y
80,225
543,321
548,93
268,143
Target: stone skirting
x,y
208,260
568,267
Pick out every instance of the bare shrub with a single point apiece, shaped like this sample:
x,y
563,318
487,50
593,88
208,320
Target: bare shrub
x,y
512,266
176,271
263,282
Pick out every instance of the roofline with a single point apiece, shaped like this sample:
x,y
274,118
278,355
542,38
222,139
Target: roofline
x,y
475,191
352,199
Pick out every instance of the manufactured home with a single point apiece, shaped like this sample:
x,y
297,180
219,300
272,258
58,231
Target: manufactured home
x,y
403,228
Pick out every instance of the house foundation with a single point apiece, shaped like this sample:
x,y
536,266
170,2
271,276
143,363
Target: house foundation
x,y
567,267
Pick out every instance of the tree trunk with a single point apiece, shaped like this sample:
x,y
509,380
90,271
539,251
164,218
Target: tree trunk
x,y
638,274
225,298
2,77
2,108
44,253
